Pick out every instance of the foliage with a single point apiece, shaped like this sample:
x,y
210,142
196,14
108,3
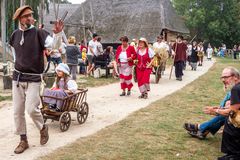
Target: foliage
x,y
216,21
12,5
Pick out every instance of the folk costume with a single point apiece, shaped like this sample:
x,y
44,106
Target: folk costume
x,y
143,72
28,45
180,58
59,88
125,66
200,54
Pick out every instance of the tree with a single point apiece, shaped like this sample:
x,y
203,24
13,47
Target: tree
x,y
215,21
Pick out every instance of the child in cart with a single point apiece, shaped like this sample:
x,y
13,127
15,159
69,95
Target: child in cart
x,y
62,87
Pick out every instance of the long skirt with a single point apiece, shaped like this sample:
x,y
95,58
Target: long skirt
x,y
143,78
54,93
125,72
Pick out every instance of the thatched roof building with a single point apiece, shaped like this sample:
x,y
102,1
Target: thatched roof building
x,y
134,18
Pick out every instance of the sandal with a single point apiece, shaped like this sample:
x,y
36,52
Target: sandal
x,y
190,127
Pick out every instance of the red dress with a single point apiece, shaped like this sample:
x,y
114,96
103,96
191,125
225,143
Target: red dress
x,y
143,73
125,68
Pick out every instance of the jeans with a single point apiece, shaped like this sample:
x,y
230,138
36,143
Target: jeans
x,y
213,125
73,71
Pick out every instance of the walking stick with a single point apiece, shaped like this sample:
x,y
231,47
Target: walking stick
x,y
173,62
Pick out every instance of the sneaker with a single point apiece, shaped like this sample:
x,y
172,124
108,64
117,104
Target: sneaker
x,y
22,146
51,106
128,93
44,135
200,135
190,127
57,109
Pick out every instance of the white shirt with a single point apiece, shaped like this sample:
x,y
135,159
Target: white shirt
x,y
123,57
99,48
71,85
92,45
161,45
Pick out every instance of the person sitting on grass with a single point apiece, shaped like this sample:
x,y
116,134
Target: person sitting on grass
x,y
212,126
63,86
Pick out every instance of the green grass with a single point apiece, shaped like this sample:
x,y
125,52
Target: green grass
x,y
85,82
156,132
4,98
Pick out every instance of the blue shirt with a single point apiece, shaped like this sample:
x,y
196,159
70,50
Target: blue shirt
x,y
226,98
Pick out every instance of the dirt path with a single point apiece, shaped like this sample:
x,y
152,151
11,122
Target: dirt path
x,y
106,108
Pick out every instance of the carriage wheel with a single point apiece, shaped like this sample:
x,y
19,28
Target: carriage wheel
x,y
65,121
158,74
135,74
82,113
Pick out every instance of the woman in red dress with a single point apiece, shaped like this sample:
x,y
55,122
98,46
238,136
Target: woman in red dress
x,y
125,55
144,67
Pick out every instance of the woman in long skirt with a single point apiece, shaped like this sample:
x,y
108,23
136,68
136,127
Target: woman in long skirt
x,y
125,55
144,67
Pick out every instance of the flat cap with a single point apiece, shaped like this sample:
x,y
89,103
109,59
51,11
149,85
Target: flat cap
x,y
22,11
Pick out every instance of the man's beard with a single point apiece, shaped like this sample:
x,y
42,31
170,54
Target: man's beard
x,y
229,86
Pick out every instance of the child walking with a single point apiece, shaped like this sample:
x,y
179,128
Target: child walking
x,y
63,86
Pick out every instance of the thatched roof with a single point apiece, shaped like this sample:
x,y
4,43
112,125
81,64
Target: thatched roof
x,y
71,8
134,18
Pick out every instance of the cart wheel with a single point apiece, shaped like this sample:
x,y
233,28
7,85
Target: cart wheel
x,y
135,74
65,121
82,113
158,74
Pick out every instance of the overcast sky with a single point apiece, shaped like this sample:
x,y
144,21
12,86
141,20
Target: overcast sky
x,y
76,1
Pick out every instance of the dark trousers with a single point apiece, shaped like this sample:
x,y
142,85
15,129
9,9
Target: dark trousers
x,y
179,65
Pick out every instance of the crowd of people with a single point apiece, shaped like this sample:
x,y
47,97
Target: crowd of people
x,y
30,44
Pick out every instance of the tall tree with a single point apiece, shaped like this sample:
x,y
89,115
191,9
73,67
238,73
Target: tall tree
x,y
216,21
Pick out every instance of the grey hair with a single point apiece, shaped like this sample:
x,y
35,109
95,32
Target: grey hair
x,y
234,72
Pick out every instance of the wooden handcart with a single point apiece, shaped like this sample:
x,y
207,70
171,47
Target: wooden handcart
x,y
72,103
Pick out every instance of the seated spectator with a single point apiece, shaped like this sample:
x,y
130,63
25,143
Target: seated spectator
x,y
112,63
213,125
201,130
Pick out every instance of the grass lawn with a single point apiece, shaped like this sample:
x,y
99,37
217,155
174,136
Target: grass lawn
x,y
156,132
85,82
4,98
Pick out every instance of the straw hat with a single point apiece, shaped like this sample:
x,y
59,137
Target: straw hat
x,y
64,68
144,40
22,11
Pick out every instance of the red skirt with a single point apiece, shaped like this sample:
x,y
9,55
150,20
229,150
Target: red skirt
x,y
143,78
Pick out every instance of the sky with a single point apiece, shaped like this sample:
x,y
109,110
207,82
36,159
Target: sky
x,y
76,1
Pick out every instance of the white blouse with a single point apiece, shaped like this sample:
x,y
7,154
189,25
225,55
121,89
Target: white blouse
x,y
123,57
71,85
151,53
